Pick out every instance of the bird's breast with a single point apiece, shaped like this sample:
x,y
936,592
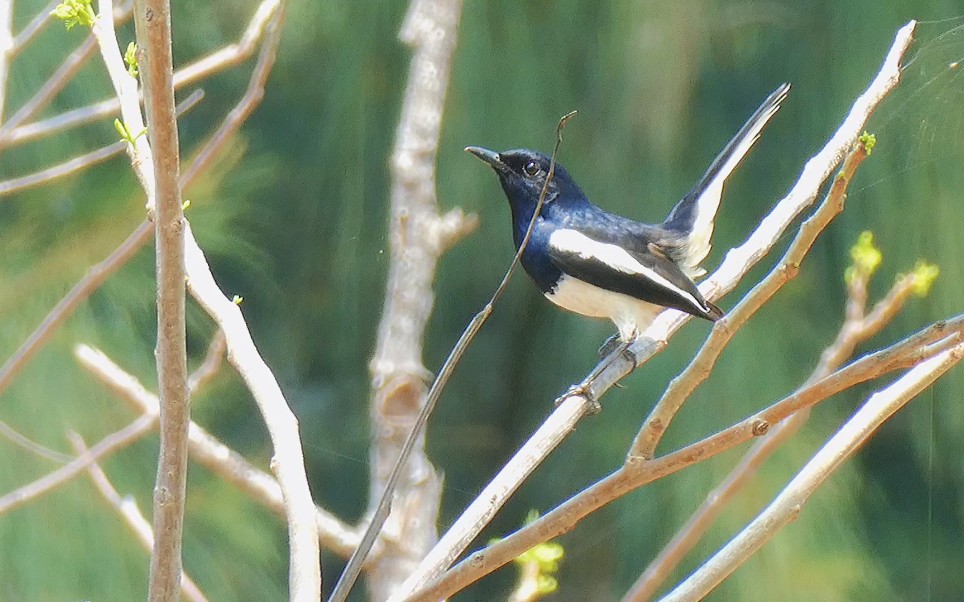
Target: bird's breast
x,y
630,315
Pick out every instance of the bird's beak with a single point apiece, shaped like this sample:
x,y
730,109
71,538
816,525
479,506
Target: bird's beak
x,y
490,157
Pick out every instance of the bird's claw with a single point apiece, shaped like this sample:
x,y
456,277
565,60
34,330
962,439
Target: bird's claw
x,y
586,393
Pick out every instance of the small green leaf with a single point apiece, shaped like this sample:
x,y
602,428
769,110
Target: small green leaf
x,y
185,204
869,141
125,134
130,59
75,12
924,275
866,258
237,300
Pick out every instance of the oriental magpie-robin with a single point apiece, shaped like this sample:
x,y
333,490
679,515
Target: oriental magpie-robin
x,y
598,264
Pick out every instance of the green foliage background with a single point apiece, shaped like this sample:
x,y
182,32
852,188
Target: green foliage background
x,y
294,219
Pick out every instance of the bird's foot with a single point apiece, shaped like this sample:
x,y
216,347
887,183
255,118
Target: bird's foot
x,y
609,345
582,390
615,344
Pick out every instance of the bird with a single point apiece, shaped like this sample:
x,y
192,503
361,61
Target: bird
x,y
598,264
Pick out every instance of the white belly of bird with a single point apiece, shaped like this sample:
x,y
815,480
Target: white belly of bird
x,y
630,315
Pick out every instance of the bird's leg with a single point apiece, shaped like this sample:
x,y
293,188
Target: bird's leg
x,y
614,347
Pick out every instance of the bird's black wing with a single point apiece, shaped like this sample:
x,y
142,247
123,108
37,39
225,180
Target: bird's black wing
x,y
621,262
692,219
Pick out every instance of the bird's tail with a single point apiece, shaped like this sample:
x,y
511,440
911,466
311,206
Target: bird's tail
x,y
692,218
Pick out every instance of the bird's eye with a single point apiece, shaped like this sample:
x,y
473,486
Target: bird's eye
x,y
531,169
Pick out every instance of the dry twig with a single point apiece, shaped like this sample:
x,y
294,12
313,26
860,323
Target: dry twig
x,y
632,475
789,503
127,508
100,272
215,62
214,455
858,326
108,445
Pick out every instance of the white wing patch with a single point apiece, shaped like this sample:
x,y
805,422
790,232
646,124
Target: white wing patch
x,y
613,256
698,244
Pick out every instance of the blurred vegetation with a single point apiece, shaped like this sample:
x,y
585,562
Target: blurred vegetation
x,y
294,219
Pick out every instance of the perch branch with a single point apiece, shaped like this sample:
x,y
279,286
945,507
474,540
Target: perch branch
x,y
632,475
737,263
644,446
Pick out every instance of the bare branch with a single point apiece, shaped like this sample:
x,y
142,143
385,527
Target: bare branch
x,y
127,508
213,454
736,264
252,97
204,67
211,364
65,473
789,503
61,77
95,276
419,235
100,272
634,474
82,162
700,368
34,27
288,462
857,327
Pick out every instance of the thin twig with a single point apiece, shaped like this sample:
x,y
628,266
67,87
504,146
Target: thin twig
x,y
99,273
69,68
475,325
857,327
185,76
211,365
106,446
34,27
789,503
702,365
18,438
736,264
82,162
214,455
127,508
633,475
